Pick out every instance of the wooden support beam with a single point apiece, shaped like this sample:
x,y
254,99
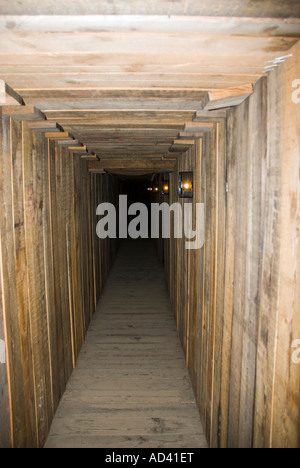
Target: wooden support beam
x,y
186,135
89,157
179,149
192,127
141,164
9,97
210,116
121,150
23,113
184,142
122,118
59,136
67,142
45,126
223,98
77,149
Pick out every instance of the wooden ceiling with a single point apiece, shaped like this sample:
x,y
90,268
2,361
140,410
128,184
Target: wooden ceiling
x,y
135,82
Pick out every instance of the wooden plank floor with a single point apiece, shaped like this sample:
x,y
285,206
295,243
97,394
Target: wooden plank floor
x,y
130,388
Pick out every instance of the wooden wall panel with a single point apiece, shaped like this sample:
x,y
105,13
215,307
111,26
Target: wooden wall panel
x,y
18,343
34,244
5,436
216,385
47,271
196,259
286,413
237,300
277,397
248,161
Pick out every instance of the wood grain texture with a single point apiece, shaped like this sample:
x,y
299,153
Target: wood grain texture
x,y
45,248
5,428
18,410
129,101
244,339
130,387
287,374
270,8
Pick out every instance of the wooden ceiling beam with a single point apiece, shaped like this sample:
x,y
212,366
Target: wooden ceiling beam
x,y
124,115
100,134
182,8
67,142
77,149
112,99
188,135
89,157
142,164
191,127
159,23
59,136
184,142
220,99
45,126
74,125
115,44
23,112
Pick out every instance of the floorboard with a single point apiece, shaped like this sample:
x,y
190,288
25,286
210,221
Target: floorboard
x,y
130,388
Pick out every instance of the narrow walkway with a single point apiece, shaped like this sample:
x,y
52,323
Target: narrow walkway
x,y
130,388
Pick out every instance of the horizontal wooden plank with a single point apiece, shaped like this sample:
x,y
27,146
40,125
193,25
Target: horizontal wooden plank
x,y
77,149
184,142
116,104
268,9
191,127
23,112
123,115
187,135
142,23
44,126
210,116
122,149
90,132
158,166
71,124
117,43
89,157
205,77
113,442
128,142
84,98
58,135
115,94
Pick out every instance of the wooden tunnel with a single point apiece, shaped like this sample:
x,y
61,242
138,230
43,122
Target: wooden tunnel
x,y
151,89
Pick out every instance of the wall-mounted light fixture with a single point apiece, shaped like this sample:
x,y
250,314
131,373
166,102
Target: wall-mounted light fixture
x,y
155,188
165,187
185,188
150,189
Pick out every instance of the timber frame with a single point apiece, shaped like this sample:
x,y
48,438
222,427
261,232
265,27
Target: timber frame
x,y
153,88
